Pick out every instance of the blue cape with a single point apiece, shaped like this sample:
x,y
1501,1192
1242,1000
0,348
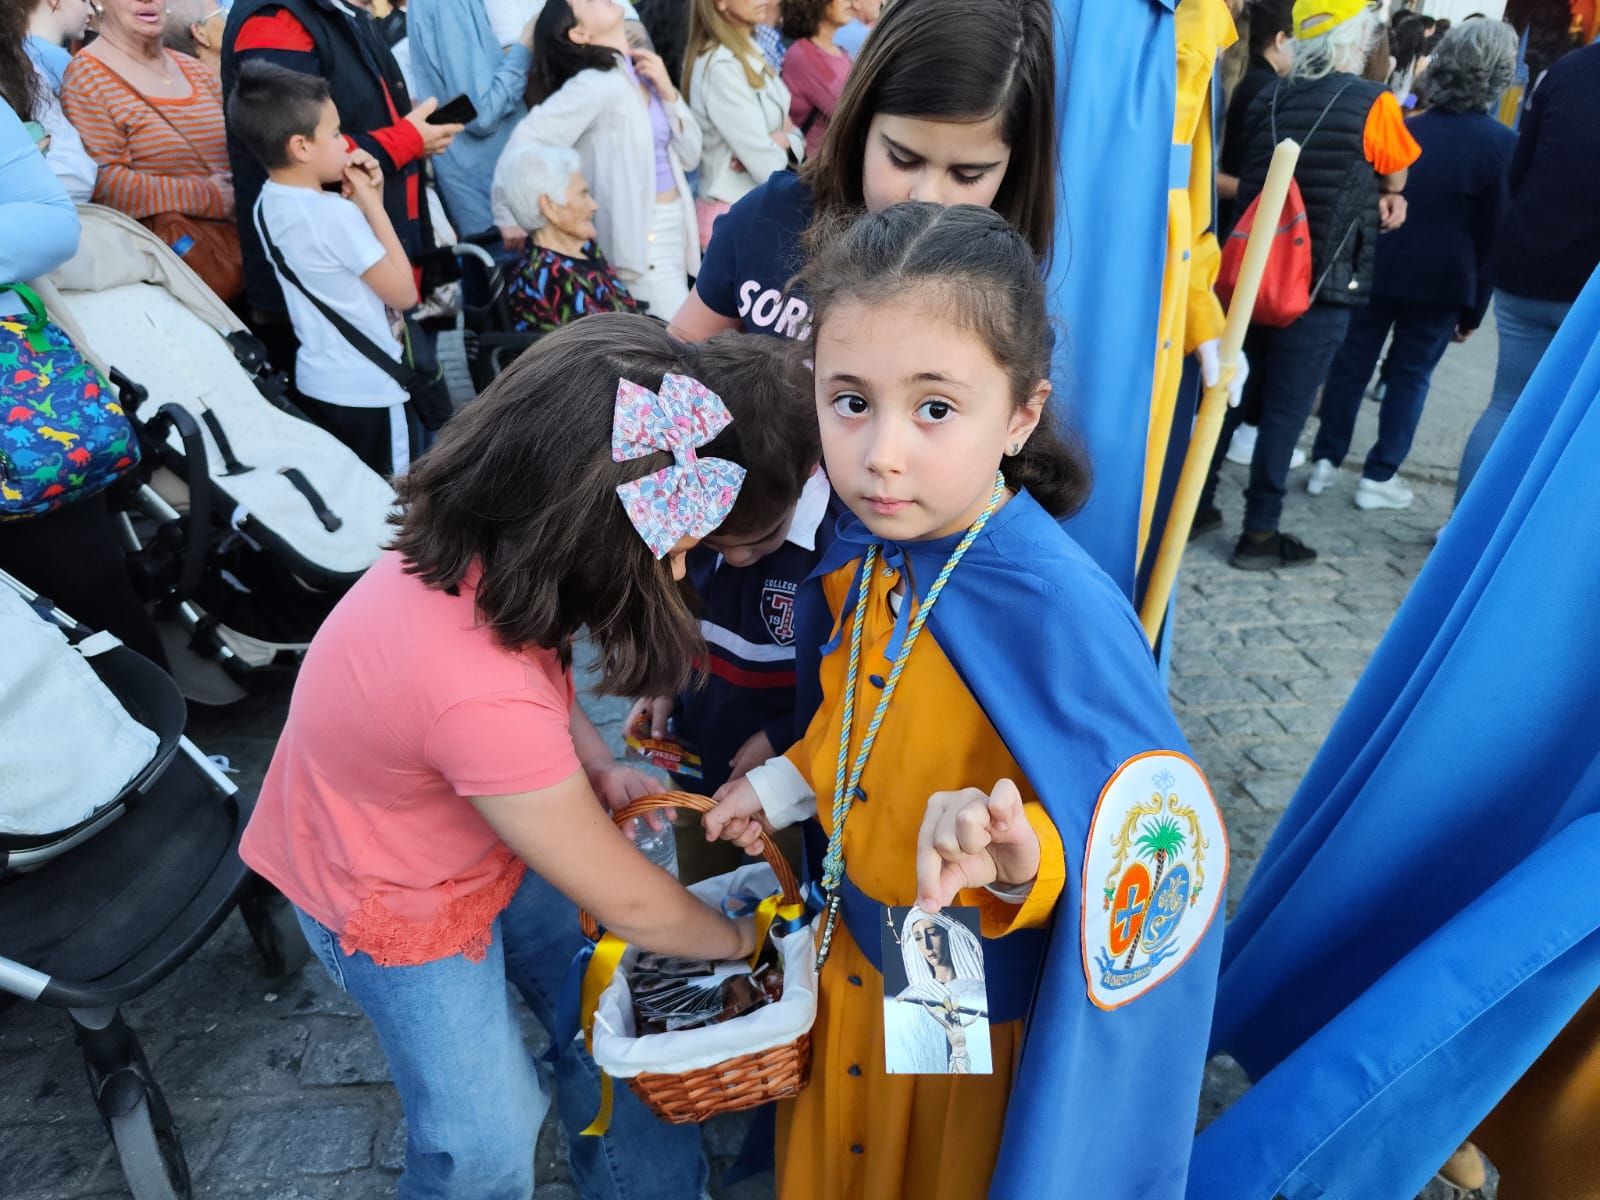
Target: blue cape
x,y
1423,922
1104,1103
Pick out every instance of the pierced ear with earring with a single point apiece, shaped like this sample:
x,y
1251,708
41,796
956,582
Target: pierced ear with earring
x,y
1016,449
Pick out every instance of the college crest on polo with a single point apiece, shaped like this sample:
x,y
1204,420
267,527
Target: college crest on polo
x,y
777,610
1153,875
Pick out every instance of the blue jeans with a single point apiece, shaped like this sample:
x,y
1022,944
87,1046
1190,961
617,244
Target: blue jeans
x,y
468,1087
1526,328
1422,332
1293,365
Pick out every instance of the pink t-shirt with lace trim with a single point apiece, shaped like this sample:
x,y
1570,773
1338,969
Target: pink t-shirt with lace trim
x,y
405,708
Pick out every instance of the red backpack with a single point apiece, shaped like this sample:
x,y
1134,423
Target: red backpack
x,y
1286,281
1286,288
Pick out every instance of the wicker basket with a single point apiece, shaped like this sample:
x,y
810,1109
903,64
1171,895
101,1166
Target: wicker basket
x,y
750,1080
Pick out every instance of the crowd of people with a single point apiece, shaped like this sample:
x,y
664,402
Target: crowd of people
x,y
1416,221
878,186
137,119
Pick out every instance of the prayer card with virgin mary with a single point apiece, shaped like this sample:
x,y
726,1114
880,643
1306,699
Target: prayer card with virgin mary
x,y
935,1001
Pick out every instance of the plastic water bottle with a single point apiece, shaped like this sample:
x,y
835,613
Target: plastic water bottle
x,y
659,846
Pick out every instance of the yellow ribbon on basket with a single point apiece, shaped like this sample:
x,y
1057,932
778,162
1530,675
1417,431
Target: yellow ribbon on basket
x,y
603,964
768,912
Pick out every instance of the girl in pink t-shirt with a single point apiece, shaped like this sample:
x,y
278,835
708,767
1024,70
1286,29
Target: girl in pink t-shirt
x,y
431,809
815,69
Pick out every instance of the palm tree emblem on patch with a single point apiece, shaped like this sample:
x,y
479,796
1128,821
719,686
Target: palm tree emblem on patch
x,y
1153,851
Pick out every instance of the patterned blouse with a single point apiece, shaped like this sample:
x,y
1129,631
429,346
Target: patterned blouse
x,y
548,289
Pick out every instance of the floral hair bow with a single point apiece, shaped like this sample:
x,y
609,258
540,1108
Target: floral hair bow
x,y
694,495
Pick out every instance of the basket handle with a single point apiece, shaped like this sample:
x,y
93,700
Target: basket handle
x,y
769,849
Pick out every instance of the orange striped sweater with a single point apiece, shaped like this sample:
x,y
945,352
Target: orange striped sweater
x,y
145,166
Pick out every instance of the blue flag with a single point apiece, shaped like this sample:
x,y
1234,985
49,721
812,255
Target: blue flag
x,y
1424,922
1117,93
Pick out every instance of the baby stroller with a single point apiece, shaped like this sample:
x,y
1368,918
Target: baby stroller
x,y
111,879
251,522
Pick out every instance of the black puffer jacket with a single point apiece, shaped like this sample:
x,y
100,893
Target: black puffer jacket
x,y
1328,118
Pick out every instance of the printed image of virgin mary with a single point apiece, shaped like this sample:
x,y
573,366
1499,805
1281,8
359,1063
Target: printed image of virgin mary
x,y
939,1024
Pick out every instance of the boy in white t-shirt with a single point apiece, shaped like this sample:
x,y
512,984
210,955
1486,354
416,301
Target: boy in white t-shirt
x,y
341,248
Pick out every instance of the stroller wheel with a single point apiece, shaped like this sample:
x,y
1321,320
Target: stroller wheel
x,y
132,1106
152,1158
274,930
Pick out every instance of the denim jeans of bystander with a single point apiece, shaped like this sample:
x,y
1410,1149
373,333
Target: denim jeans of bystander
x,y
1526,327
1293,365
1422,333
469,1089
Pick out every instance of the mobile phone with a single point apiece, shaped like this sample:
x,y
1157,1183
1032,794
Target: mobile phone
x,y
460,111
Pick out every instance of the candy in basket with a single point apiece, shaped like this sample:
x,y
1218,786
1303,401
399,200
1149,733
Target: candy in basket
x,y
695,1039
671,994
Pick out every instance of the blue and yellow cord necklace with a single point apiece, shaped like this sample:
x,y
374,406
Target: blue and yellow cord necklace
x,y
845,786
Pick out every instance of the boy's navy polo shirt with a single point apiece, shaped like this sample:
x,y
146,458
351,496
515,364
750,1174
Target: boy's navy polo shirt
x,y
754,253
747,619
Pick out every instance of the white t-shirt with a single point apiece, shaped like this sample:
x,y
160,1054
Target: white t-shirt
x,y
329,246
507,17
66,155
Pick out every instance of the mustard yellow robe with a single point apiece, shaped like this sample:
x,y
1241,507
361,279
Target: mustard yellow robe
x,y
1190,311
1544,1135
857,1133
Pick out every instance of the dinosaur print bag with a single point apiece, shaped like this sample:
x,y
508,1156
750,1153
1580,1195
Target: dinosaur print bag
x,y
62,435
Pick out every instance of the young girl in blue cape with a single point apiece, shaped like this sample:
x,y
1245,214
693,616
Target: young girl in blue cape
x,y
988,730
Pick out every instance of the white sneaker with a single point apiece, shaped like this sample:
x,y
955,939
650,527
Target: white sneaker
x,y
1297,459
1243,446
1323,473
1391,493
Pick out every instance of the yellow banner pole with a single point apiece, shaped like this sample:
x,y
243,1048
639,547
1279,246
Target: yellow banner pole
x,y
1214,404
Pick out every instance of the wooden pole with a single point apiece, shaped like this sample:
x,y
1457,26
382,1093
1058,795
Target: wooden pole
x,y
1214,404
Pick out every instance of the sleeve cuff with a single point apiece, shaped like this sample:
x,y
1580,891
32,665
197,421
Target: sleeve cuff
x,y
1205,320
1011,895
1003,911
785,796
401,142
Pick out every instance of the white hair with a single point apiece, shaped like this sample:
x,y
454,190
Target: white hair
x,y
536,170
1343,48
181,15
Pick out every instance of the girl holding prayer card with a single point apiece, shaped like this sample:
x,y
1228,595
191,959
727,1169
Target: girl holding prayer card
x,y
987,729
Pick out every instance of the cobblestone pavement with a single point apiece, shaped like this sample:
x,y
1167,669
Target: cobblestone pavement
x,y
281,1091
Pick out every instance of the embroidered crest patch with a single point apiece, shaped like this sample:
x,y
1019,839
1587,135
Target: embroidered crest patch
x,y
777,610
1153,875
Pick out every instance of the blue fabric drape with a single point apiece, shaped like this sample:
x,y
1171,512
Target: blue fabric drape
x,y
1117,93
1423,922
